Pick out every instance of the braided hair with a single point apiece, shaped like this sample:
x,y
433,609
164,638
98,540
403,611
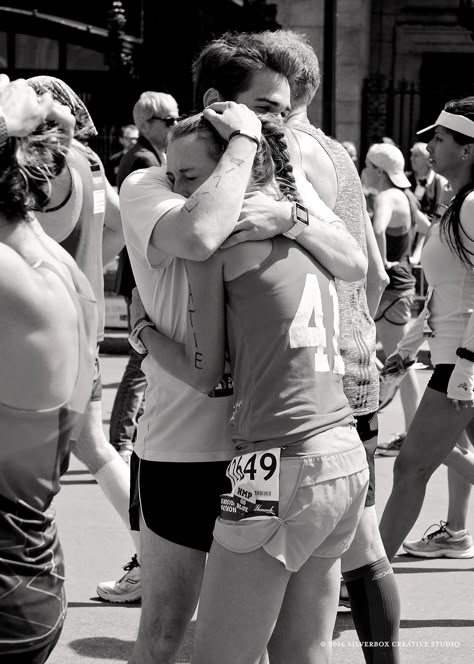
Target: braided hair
x,y
272,160
450,225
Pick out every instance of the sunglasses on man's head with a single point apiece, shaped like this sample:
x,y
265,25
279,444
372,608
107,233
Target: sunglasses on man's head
x,y
169,122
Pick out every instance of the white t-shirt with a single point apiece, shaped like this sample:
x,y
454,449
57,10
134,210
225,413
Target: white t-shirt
x,y
179,424
452,301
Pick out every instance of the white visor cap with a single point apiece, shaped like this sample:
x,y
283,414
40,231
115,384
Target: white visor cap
x,y
452,121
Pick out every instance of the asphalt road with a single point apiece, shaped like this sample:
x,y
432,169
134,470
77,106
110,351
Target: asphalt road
x,y
437,595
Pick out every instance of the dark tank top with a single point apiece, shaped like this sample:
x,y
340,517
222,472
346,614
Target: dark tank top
x,y
34,452
398,248
357,329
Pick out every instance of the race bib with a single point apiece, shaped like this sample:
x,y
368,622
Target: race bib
x,y
255,481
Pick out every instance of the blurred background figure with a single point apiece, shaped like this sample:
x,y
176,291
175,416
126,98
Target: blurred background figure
x,y
430,188
351,150
128,137
154,114
395,221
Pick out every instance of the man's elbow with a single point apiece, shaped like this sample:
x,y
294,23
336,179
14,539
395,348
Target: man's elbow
x,y
353,270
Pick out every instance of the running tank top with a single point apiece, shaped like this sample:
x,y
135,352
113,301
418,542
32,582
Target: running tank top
x,y
34,453
85,241
399,244
282,324
357,329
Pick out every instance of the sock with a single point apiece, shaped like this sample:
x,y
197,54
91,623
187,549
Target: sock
x,y
375,605
114,480
456,533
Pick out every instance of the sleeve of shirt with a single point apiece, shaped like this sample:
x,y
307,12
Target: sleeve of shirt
x,y
145,197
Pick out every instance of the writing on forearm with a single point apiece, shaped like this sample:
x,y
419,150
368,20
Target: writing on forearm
x,y
193,201
192,310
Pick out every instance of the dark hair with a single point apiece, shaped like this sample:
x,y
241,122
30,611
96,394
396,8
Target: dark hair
x,y
451,227
27,166
228,64
272,160
301,62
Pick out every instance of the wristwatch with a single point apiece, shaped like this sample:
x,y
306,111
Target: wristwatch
x,y
300,217
3,131
134,338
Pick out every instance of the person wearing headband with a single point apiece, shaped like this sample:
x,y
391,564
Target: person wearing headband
x,y
446,409
83,216
47,307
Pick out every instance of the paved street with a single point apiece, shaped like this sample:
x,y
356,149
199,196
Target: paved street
x,y
437,595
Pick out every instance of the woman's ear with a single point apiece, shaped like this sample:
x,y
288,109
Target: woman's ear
x,y
210,96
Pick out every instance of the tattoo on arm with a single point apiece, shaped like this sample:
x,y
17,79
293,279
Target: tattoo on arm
x,y
194,200
237,162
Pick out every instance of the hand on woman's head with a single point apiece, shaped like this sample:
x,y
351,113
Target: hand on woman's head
x,y
61,115
228,116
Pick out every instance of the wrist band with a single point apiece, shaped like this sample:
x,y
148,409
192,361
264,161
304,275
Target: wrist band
x,y
251,137
3,132
465,354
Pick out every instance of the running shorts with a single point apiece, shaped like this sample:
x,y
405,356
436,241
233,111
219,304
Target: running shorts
x,y
440,378
395,306
368,429
317,517
179,502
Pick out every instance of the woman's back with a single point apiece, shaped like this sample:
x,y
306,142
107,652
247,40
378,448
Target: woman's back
x,y
282,322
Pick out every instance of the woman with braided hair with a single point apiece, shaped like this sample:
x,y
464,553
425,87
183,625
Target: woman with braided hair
x,y
299,477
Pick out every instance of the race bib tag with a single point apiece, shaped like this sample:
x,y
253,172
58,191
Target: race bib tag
x,y
99,201
255,481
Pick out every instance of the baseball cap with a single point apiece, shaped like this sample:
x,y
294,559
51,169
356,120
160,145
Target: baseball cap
x,y
390,159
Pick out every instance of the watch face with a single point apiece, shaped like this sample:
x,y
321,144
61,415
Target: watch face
x,y
302,214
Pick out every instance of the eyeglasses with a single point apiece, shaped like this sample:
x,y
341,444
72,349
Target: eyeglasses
x,y
169,122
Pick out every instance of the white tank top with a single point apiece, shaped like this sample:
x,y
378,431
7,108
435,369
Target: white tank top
x,y
452,300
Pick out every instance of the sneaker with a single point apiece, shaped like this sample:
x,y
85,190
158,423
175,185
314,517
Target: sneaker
x,y
392,447
127,589
441,544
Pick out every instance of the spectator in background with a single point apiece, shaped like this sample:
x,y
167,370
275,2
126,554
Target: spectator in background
x,y
128,137
351,150
154,114
431,189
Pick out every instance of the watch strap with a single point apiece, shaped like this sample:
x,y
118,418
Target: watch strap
x,y
300,215
251,137
3,131
134,339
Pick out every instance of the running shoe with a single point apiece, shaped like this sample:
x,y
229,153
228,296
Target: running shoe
x,y
391,447
127,589
441,544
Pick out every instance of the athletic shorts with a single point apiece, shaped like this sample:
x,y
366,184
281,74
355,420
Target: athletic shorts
x,y
179,502
316,517
440,378
96,394
395,306
368,430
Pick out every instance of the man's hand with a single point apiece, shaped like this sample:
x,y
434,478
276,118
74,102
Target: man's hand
x,y
261,218
227,117
137,310
461,385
